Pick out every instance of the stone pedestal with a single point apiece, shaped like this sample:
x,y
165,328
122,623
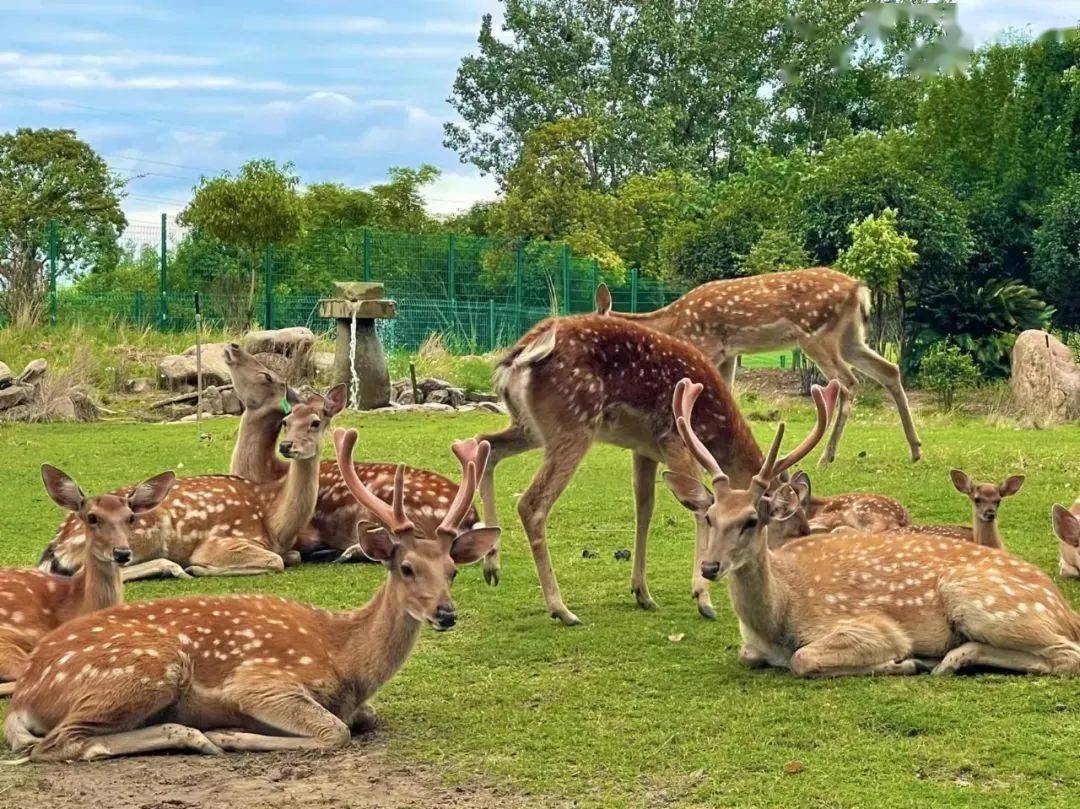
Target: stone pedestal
x,y
364,304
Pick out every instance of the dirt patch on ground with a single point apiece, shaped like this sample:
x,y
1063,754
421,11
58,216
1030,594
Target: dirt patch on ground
x,y
361,777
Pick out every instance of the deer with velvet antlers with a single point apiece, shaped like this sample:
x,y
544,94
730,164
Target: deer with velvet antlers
x,y
823,312
247,672
1067,528
33,603
840,604
575,380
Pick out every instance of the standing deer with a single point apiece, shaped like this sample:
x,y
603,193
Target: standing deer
x,y
985,502
248,672
574,380
223,525
1067,528
821,311
427,495
843,604
33,603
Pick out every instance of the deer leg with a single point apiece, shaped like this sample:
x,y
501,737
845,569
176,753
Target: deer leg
x,y
727,366
833,366
680,460
974,653
304,724
154,569
887,375
867,645
152,739
562,456
644,500
12,665
512,441
233,559
1067,570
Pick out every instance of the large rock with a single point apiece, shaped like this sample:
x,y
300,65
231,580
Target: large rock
x,y
322,362
296,344
33,373
15,395
1045,379
5,375
178,371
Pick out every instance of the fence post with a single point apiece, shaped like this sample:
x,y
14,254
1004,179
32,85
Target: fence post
x,y
163,304
54,250
565,259
367,254
633,289
519,272
595,275
268,284
450,268
491,324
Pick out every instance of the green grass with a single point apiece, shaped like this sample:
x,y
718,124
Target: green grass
x,y
613,712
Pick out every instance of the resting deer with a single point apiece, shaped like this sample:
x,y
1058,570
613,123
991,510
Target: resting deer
x,y
575,380
222,525
246,673
427,494
1067,528
33,603
821,311
839,604
985,503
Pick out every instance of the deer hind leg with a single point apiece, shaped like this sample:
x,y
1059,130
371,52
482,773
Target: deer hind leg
x,y
727,365
562,456
152,739
234,558
682,462
872,644
512,441
12,665
832,364
974,653
153,569
887,375
303,723
644,501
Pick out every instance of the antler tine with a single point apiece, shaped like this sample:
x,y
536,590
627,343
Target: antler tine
x,y
399,495
825,401
682,403
762,479
448,528
472,450
392,517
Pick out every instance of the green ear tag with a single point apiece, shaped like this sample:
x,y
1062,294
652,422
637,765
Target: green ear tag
x,y
286,408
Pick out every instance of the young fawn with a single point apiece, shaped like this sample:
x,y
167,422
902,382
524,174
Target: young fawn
x,y
222,525
1067,528
332,529
985,504
246,673
839,604
33,603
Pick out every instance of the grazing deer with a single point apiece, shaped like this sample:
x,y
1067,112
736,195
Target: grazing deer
x,y
223,525
33,603
821,311
575,380
248,672
985,503
841,604
1067,528
427,495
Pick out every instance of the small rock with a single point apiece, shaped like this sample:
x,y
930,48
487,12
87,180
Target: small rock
x,y
212,401
85,408
678,636
479,396
435,406
62,409
622,555
426,386
405,397
230,402
438,396
290,342
139,385
492,407
15,395
322,362
589,553
33,373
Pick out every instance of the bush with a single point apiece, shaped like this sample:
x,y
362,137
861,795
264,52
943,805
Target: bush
x,y
946,370
1056,259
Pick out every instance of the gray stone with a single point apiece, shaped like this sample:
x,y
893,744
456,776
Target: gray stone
x,y
296,341
62,409
1045,379
15,395
85,407
24,412
492,407
479,396
405,397
434,406
33,373
178,371
322,362
212,401
230,402
5,375
139,385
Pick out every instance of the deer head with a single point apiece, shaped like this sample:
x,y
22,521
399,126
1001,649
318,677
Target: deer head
x,y
307,423
986,497
108,519
733,519
1067,528
421,568
257,386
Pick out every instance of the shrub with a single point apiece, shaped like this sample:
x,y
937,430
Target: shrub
x,y
945,370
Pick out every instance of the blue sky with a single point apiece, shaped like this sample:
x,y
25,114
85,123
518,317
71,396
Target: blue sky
x,y
168,91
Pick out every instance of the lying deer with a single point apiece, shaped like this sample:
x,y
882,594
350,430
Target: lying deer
x,y
985,503
35,603
575,380
1067,528
840,604
247,672
427,495
821,311
222,525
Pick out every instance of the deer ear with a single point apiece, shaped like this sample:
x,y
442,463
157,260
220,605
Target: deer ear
x,y
689,491
64,491
603,299
336,399
1066,526
1011,485
783,503
473,545
148,495
961,481
376,543
292,395
801,484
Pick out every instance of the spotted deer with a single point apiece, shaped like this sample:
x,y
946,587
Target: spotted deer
x,y
576,380
985,503
247,672
823,312
1067,528
224,525
33,603
427,495
873,603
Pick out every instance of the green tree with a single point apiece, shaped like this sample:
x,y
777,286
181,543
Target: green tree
x,y
49,174
945,371
333,205
399,201
1056,260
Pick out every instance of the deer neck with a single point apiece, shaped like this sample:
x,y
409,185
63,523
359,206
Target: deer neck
x,y
255,455
292,502
986,533
757,593
661,319
377,639
96,586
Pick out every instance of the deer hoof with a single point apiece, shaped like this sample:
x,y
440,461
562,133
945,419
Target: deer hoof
x,y
491,576
916,453
644,600
706,611
568,618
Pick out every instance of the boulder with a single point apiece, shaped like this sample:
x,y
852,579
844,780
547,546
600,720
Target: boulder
x,y
139,385
33,373
294,344
5,375
15,395
479,396
278,363
1045,379
212,400
405,397
426,386
178,372
230,402
491,407
322,362
85,409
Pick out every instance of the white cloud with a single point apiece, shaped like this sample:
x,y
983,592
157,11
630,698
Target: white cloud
x,y
985,20
93,60
97,79
455,191
344,24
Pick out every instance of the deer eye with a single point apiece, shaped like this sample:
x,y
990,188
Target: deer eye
x,y
91,519
752,522
267,378
407,571
315,424
131,520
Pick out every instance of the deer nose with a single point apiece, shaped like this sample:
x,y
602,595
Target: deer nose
x,y
445,616
121,555
710,570
286,448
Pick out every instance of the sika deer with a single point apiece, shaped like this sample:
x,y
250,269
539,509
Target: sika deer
x,y
840,604
575,380
35,603
822,311
1067,528
985,502
222,525
427,495
245,673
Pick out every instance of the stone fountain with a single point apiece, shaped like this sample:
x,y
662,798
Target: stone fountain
x,y
359,359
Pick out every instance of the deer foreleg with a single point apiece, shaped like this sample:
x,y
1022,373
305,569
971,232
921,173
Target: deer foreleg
x,y
304,725
514,440
888,376
644,500
155,568
867,645
234,559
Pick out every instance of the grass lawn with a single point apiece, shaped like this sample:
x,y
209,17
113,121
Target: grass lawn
x,y
614,712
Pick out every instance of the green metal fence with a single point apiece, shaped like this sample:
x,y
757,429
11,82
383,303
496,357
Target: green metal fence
x,y
478,293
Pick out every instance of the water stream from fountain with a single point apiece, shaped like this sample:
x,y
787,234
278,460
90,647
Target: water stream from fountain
x,y
354,380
